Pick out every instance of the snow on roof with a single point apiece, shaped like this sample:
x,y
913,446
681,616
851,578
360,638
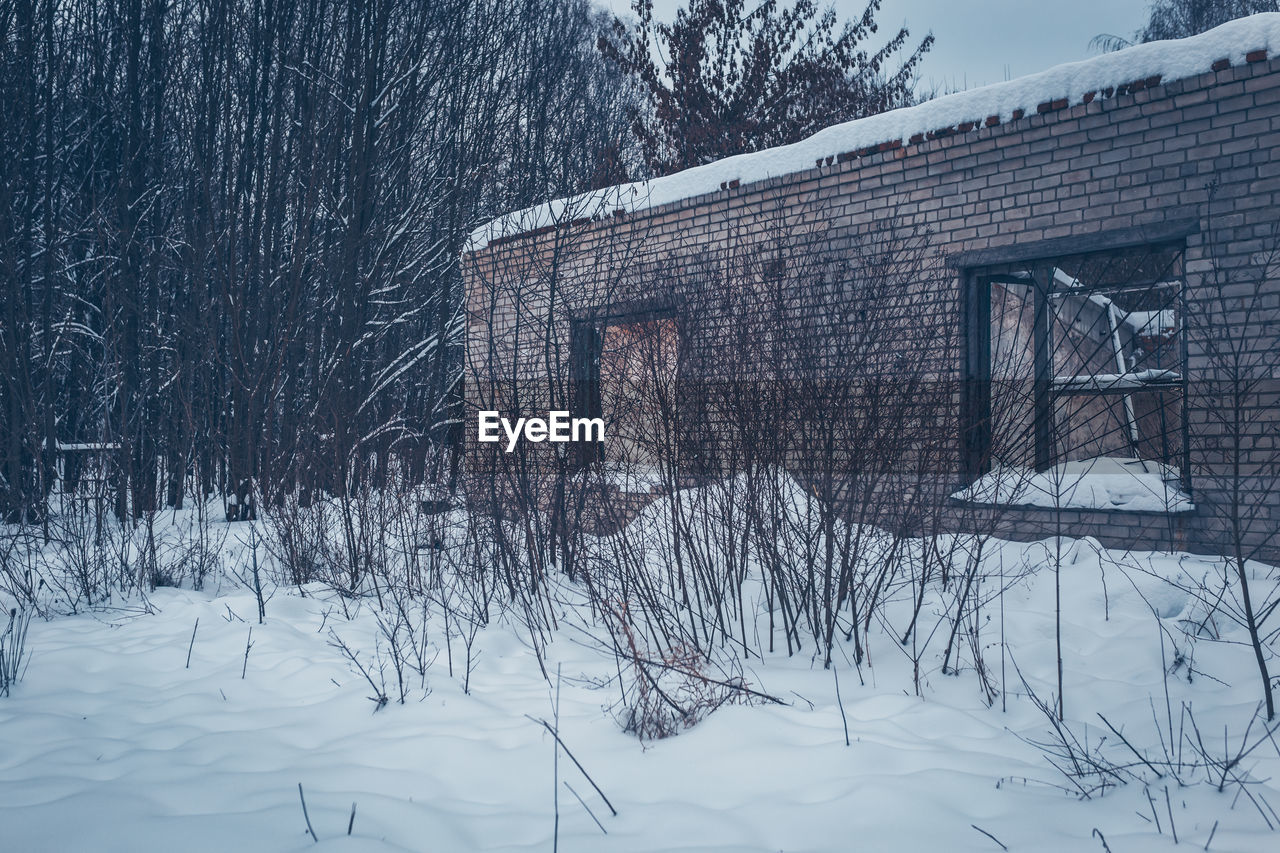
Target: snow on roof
x,y
1244,40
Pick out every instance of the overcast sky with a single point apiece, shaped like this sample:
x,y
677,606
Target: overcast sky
x,y
987,41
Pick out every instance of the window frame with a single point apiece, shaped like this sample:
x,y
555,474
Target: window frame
x,y
976,279
586,349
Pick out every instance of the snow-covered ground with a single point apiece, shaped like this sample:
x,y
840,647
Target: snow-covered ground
x,y
112,742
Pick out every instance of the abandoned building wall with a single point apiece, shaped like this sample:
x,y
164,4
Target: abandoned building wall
x,y
1194,163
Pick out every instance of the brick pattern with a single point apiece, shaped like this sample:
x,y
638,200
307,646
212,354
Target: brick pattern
x,y
1145,153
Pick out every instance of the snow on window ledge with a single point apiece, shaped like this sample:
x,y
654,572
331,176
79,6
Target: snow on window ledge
x,y
1107,483
1136,380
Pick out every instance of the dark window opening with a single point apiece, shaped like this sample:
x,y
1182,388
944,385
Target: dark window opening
x,y
625,371
1076,379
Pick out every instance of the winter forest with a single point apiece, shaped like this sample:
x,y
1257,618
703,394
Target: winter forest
x,y
254,573
232,230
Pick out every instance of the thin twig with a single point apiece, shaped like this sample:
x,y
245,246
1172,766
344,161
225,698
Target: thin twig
x,y
306,816
1169,806
555,770
575,761
587,807
248,644
379,699
989,835
836,672
192,643
742,688
1211,832
1151,801
352,821
1125,741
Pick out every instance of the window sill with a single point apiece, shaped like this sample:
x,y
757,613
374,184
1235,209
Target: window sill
x,y
1182,509
1102,485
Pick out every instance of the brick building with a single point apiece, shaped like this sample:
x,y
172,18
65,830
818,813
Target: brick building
x,y
1068,282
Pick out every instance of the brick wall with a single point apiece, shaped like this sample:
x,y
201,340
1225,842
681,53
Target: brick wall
x,y
1195,161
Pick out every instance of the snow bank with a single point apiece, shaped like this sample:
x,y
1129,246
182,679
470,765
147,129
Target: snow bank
x,y
1104,483
115,743
1072,82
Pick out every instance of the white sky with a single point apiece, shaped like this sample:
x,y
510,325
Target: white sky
x,y
987,41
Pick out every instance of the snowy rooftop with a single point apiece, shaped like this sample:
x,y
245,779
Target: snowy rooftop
x,y
1249,39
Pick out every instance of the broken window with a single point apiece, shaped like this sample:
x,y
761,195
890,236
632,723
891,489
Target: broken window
x,y
1077,378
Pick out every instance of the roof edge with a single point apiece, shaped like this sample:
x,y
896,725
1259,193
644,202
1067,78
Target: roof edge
x,y
1240,42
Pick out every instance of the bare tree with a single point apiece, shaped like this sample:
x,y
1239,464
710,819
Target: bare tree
x,y
1237,402
728,77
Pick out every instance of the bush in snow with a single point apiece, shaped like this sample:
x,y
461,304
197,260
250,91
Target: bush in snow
x,y
666,691
13,647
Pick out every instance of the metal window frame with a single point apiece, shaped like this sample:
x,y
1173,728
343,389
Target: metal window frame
x,y
979,270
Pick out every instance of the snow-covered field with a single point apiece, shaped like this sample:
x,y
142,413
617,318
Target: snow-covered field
x,y
113,742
